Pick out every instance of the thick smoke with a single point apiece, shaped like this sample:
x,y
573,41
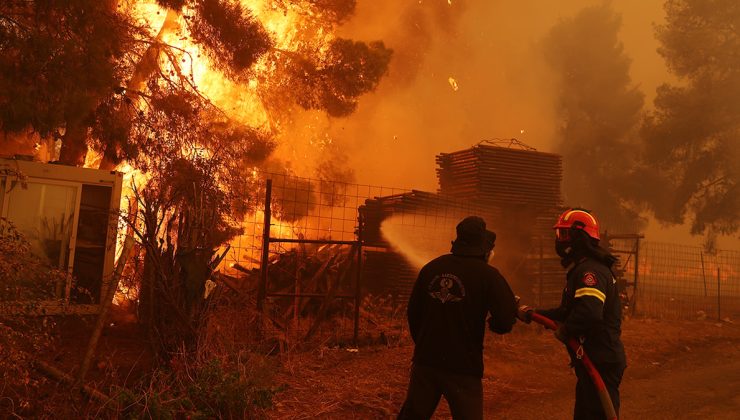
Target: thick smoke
x,y
493,52
599,109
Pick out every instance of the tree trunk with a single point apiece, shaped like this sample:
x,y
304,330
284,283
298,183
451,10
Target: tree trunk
x,y
74,144
148,64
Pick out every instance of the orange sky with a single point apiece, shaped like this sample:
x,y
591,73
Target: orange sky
x,y
491,49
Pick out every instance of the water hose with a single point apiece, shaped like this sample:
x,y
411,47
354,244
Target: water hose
x,y
606,400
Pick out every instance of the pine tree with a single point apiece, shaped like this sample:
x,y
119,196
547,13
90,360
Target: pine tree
x,y
692,139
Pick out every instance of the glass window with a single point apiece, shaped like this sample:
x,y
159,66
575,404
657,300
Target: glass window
x,y
44,214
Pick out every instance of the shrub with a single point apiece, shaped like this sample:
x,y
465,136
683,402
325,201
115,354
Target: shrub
x,y
212,388
22,278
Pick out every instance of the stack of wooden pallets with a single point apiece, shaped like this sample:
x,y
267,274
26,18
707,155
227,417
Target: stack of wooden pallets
x,y
523,186
515,189
501,176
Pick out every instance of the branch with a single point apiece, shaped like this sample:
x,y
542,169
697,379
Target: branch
x,y
704,190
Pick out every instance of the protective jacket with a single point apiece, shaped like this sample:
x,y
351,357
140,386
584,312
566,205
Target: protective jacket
x,y
591,310
447,312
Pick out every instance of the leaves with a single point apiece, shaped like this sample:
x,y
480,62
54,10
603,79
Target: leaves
x,y
233,38
58,61
599,108
335,83
691,139
336,11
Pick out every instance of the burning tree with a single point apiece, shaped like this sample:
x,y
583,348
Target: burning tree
x,y
60,60
79,70
190,93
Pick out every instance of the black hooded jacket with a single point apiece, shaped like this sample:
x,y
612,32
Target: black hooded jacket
x,y
448,308
590,309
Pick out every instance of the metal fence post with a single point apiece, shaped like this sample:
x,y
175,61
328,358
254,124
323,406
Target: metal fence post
x,y
635,292
703,275
719,297
542,270
358,281
264,263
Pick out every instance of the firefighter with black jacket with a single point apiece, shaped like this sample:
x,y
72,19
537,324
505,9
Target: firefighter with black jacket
x,y
447,312
590,310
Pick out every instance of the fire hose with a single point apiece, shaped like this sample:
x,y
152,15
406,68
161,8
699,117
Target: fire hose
x,y
606,400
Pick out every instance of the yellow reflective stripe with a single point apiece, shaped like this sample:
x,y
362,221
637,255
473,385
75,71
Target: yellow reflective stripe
x,y
590,291
570,213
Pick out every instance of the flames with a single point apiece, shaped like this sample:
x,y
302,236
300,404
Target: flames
x,y
241,100
453,83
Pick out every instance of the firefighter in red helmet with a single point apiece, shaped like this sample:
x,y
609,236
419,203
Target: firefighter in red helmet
x,y
590,309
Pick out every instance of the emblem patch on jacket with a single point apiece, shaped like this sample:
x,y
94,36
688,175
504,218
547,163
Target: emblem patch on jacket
x,y
446,288
589,279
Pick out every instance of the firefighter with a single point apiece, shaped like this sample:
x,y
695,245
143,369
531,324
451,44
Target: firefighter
x,y
447,312
590,309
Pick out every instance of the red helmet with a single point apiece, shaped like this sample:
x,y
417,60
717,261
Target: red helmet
x,y
578,219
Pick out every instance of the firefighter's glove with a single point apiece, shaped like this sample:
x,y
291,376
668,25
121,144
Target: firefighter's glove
x,y
524,313
561,334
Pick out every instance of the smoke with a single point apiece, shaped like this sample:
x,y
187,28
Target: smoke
x,y
492,50
599,109
493,53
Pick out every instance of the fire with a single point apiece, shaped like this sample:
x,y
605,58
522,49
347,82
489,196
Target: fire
x,y
239,100
282,25
453,83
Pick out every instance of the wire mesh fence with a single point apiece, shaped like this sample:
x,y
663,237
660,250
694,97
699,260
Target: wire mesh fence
x,y
324,244
686,282
302,209
299,254
332,244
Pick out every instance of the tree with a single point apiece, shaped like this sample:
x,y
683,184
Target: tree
x,y
83,70
79,70
232,37
691,140
59,61
599,110
182,219
334,83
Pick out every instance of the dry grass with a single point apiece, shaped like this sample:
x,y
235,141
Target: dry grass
x,y
521,369
360,384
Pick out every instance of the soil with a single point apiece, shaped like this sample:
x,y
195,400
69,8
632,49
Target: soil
x,y
677,369
122,355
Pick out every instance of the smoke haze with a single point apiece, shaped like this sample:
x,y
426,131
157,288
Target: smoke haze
x,y
493,50
462,72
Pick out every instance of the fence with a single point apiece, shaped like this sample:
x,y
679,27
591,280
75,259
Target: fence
x,y
685,282
310,249
304,243
300,254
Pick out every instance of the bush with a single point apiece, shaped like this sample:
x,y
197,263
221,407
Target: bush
x,y
212,388
22,278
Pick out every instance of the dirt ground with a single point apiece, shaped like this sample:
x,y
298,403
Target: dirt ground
x,y
677,370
